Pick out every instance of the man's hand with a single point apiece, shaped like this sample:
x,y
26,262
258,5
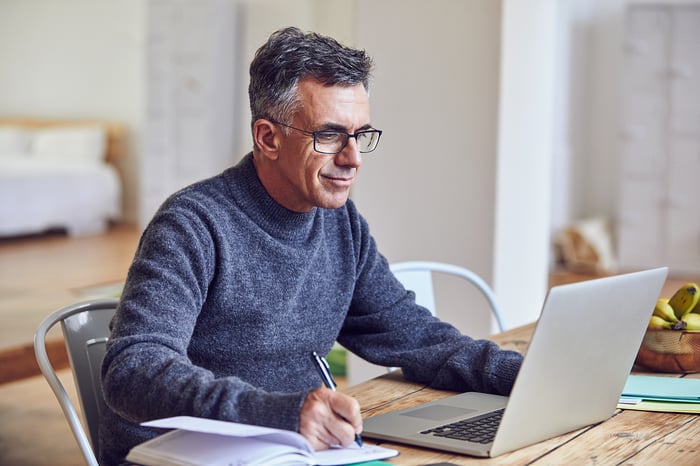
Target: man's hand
x,y
329,418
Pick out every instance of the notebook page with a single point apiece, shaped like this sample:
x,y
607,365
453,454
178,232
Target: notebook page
x,y
184,448
353,454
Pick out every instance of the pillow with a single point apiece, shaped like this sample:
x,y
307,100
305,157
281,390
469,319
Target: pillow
x,y
14,141
75,144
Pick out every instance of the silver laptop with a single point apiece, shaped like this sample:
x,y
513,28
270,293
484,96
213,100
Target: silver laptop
x,y
577,363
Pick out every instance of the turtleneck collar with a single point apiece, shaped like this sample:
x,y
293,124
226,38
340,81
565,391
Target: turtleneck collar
x,y
250,194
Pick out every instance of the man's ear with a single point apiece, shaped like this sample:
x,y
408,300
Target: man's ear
x,y
267,137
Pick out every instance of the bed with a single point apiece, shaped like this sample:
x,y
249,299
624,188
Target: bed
x,y
59,174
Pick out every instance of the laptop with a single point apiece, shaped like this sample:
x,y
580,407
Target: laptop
x,y
577,363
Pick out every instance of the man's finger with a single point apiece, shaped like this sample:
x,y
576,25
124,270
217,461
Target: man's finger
x,y
347,408
323,419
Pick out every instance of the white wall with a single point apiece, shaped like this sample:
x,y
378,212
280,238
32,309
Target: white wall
x,y
586,148
76,59
571,109
257,19
587,151
428,191
463,170
189,106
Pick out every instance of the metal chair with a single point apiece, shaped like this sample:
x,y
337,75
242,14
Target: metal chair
x,y
418,277
85,327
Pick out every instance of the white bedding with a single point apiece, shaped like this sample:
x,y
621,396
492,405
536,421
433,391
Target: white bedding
x,y
40,191
36,196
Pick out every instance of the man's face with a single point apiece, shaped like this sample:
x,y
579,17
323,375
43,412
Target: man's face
x,y
311,179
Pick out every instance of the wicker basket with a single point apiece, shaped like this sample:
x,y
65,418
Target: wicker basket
x,y
670,351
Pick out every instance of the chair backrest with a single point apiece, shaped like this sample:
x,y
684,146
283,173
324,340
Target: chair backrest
x,y
418,277
85,327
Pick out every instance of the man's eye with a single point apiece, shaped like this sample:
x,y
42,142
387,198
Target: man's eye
x,y
327,137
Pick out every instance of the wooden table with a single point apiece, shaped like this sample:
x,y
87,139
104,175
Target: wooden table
x,y
628,437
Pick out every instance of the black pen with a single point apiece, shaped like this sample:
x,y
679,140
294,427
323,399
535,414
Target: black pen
x,y
325,371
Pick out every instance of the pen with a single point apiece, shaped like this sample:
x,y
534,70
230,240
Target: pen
x,y
325,371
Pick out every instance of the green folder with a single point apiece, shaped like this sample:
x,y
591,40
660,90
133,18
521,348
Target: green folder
x,y
662,406
662,394
652,388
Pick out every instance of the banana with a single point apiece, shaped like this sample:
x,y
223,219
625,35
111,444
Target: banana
x,y
692,321
696,309
684,300
665,311
657,322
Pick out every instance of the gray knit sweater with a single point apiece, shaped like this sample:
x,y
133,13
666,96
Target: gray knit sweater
x,y
228,295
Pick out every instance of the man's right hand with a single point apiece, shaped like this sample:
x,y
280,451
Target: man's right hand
x,y
329,418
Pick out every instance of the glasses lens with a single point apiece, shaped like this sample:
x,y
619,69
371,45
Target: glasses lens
x,y
332,142
329,142
367,140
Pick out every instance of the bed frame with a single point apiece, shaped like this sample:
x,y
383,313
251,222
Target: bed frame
x,y
116,132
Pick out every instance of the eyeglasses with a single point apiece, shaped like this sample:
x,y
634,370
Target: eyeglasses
x,y
333,142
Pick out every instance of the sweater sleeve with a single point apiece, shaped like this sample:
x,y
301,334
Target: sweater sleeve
x,y
146,372
385,326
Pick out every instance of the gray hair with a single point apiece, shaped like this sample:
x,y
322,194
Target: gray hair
x,y
289,56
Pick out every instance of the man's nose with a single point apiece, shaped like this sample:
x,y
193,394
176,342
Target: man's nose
x,y
350,156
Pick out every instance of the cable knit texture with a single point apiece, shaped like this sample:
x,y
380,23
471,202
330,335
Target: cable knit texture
x,y
228,295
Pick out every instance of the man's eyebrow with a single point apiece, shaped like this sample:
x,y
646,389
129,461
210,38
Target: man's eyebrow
x,y
341,128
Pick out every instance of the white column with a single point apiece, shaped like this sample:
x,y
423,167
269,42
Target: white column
x,y
525,140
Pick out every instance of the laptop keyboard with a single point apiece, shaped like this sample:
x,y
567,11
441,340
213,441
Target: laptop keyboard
x,y
481,429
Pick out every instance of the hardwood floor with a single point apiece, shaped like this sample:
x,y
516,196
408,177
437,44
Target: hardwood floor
x,y
38,275
41,273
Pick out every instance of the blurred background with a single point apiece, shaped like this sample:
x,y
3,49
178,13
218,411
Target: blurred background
x,y
519,134
523,139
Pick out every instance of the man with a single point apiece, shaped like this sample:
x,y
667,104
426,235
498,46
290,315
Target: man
x,y
239,278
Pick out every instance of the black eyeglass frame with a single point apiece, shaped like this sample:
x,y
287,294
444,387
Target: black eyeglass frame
x,y
378,132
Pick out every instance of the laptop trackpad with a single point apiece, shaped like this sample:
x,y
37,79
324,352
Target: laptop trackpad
x,y
438,412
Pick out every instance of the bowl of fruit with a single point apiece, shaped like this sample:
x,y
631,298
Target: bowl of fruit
x,y
672,340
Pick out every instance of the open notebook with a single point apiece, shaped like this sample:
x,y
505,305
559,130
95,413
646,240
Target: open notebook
x,y
199,441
